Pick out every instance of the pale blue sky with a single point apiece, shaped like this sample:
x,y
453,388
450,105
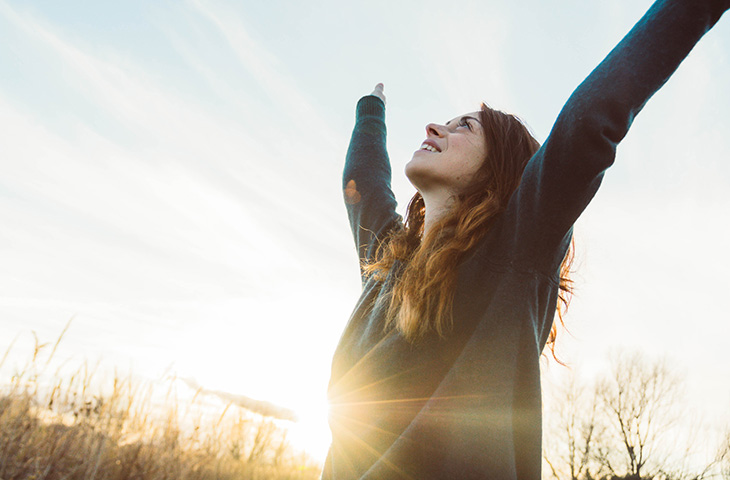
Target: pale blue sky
x,y
171,177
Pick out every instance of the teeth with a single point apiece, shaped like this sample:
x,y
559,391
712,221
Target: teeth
x,y
428,147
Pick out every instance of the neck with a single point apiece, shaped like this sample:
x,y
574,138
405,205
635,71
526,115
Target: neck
x,y
437,205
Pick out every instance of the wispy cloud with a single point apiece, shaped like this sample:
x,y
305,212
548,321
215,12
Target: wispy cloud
x,y
267,70
464,47
191,208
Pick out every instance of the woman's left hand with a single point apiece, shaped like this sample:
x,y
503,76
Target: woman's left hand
x,y
378,92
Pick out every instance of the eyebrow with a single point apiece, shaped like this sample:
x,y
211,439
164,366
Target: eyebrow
x,y
466,116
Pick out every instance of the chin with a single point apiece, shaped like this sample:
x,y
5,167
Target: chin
x,y
416,164
417,174
411,170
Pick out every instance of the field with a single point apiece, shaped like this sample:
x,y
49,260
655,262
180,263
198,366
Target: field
x,y
58,424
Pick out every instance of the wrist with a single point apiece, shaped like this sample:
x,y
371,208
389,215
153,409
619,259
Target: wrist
x,y
370,105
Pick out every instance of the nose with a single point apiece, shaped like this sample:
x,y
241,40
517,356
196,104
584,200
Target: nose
x,y
435,130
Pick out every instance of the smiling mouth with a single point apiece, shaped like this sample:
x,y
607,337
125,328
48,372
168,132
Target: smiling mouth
x,y
429,148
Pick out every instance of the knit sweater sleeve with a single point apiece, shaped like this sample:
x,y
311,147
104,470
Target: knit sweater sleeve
x,y
366,179
565,173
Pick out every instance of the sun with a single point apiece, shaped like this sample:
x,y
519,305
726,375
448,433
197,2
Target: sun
x,y
311,432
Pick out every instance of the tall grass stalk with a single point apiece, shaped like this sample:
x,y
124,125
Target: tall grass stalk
x,y
56,426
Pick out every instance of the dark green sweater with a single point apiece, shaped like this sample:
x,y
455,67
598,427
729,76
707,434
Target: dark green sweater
x,y
469,406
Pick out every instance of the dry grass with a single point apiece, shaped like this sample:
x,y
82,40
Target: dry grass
x,y
55,427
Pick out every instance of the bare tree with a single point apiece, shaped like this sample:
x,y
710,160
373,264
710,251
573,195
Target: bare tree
x,y
637,400
723,457
632,425
572,431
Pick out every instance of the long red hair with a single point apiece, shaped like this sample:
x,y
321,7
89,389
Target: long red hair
x,y
422,296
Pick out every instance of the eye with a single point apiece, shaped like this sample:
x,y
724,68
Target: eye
x,y
464,123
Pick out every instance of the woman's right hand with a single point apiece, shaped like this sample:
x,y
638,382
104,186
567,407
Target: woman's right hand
x,y
378,92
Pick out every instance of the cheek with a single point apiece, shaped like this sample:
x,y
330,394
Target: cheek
x,y
471,165
472,154
466,171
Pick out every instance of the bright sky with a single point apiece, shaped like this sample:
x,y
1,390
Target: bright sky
x,y
171,178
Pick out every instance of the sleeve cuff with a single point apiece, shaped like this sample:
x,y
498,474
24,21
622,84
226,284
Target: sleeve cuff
x,y
370,105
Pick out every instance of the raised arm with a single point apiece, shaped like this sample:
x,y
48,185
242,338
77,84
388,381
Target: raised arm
x,y
366,178
564,175
465,430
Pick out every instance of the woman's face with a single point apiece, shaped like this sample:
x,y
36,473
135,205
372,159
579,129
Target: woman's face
x,y
450,155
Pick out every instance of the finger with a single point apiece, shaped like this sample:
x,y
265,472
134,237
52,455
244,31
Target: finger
x,y
378,92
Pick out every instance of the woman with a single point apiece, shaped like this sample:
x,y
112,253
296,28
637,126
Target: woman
x,y
437,372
